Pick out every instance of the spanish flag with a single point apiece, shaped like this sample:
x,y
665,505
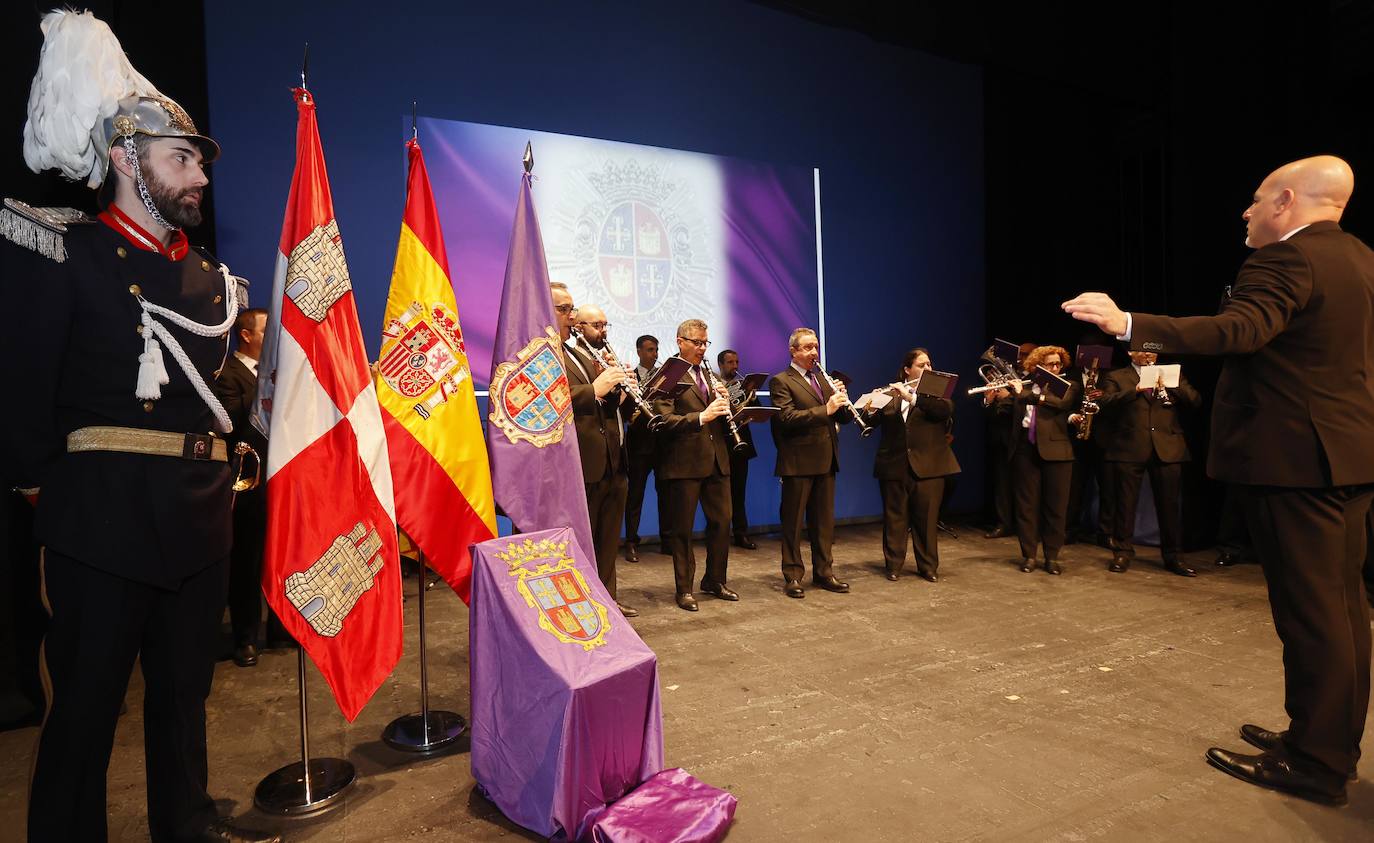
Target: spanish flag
x,y
429,406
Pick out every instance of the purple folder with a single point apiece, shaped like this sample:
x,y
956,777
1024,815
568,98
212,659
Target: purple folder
x,y
565,705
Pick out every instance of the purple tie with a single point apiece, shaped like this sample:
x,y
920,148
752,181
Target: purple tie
x,y
815,384
1034,421
701,385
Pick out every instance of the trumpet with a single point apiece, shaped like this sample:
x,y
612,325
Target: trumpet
x,y
864,428
606,357
1090,407
713,382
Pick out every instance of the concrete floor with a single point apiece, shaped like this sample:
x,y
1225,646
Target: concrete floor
x,y
994,705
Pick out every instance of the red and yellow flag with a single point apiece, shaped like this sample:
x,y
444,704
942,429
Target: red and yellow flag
x,y
429,405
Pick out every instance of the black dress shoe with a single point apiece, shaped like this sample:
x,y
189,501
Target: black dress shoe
x,y
1226,559
1261,738
245,655
793,588
1274,771
1052,567
831,584
892,576
631,552
1119,564
1174,566
223,831
745,542
626,610
687,601
718,590
929,576
1027,565
998,532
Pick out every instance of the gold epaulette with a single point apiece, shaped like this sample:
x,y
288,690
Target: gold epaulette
x,y
39,229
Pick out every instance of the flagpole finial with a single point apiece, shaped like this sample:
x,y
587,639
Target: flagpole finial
x,y
414,126
305,66
528,160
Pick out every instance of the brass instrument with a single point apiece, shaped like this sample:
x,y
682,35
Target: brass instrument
x,y
864,428
606,357
1162,393
713,383
1090,407
996,374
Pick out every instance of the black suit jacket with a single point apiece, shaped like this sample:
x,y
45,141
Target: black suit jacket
x,y
1140,424
687,450
1295,403
806,437
1053,441
598,429
237,389
918,442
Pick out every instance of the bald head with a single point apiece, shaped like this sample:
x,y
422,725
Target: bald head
x,y
591,322
1297,194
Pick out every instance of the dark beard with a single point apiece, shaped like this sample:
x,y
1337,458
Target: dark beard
x,y
169,204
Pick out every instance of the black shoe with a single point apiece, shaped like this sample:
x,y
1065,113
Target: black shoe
x,y
1272,742
929,576
998,532
1226,559
718,590
631,552
831,584
793,588
745,542
1119,564
687,601
892,576
1052,567
1274,771
223,831
1175,566
665,549
626,610
1027,565
245,655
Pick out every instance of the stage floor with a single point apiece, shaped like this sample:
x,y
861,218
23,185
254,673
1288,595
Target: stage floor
x,y
994,705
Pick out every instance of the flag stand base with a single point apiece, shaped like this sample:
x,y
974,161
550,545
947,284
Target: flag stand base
x,y
429,731
290,791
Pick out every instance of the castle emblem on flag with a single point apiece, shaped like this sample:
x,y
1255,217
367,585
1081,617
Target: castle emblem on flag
x,y
316,273
530,399
423,356
328,590
559,591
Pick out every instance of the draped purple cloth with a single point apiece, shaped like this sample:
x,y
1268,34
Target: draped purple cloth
x,y
566,722
672,807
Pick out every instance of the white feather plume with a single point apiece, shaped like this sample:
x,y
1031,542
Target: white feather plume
x,y
82,76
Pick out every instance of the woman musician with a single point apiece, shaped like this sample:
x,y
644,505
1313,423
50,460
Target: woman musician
x,y
1042,460
914,458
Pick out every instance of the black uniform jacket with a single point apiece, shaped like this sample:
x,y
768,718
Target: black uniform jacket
x,y
686,449
1052,440
918,442
807,438
74,353
1295,403
1140,424
598,429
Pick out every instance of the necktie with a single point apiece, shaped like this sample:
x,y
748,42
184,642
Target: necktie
x,y
815,384
701,385
1034,421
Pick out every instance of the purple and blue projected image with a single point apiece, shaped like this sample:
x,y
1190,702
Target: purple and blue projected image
x,y
653,236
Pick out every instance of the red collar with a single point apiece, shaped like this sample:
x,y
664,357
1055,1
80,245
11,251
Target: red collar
x,y
120,221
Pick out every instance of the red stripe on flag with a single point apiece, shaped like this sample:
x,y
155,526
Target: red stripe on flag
x,y
334,348
309,203
420,214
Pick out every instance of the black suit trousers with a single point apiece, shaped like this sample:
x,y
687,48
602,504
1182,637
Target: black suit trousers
x,y
814,497
606,507
640,469
1042,500
1311,543
739,482
1090,469
1166,481
713,493
999,471
99,624
912,504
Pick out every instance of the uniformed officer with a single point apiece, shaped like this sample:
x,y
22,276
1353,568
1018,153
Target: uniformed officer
x,y
118,445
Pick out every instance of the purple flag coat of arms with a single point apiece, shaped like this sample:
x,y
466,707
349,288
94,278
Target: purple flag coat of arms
x,y
536,473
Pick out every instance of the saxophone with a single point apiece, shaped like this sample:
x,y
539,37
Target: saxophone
x,y
1090,407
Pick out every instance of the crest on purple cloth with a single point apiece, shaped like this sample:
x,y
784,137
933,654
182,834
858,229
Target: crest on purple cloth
x,y
551,583
530,397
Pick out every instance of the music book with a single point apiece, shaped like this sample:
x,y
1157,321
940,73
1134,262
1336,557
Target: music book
x,y
841,378
875,400
1088,353
1150,375
754,381
668,374
749,415
938,384
1049,382
1008,352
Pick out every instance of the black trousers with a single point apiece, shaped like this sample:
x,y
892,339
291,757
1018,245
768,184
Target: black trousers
x,y
812,496
640,467
605,507
245,571
1042,500
713,493
1232,535
99,624
1090,471
1311,543
1166,482
739,481
912,505
999,469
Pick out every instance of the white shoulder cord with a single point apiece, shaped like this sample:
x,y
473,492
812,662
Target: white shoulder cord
x,y
152,374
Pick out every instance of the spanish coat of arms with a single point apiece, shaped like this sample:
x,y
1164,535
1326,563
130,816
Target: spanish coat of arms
x,y
423,356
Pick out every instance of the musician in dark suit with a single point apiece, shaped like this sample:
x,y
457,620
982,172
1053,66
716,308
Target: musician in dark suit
x,y
914,459
728,361
639,444
1291,422
237,389
694,458
997,406
596,403
806,434
1042,460
1146,438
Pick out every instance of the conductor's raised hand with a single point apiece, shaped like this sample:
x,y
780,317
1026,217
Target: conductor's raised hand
x,y
1100,310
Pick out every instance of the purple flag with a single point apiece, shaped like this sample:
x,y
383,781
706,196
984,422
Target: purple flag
x,y
536,473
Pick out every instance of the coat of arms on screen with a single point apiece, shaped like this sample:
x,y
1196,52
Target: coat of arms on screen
x,y
530,399
558,590
423,356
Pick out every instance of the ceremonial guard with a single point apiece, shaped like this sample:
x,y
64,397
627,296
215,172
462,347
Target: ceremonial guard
x,y
118,443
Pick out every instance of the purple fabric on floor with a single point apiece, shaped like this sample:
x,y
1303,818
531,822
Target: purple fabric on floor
x,y
672,807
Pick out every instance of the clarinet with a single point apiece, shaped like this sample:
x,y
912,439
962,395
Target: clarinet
x,y
1090,407
713,382
864,428
606,357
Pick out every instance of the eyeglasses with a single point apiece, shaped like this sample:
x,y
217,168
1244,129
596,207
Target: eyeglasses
x,y
600,326
565,308
697,343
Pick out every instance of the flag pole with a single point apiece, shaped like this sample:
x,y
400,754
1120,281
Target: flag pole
x,y
428,732
289,790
